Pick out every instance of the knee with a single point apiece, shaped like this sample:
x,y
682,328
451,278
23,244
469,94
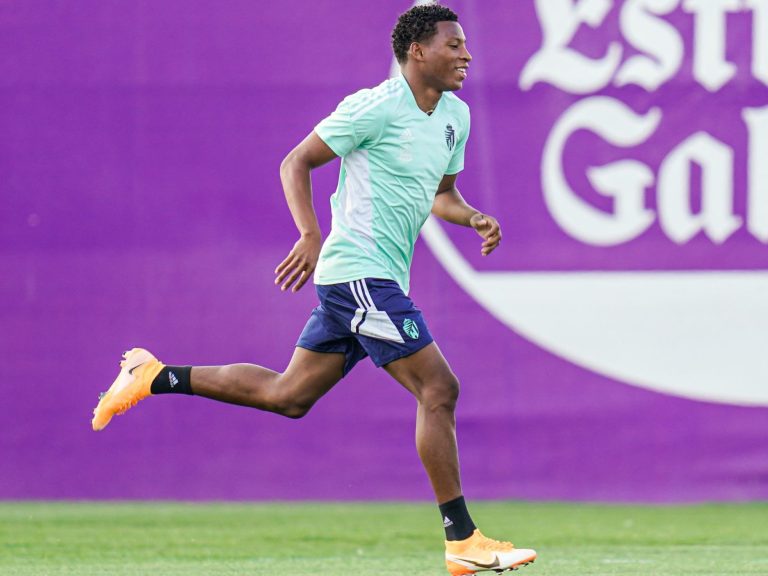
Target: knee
x,y
291,407
442,395
286,402
295,410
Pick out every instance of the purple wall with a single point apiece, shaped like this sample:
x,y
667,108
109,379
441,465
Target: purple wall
x,y
613,349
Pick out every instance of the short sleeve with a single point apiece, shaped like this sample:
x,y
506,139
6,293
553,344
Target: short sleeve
x,y
456,164
354,124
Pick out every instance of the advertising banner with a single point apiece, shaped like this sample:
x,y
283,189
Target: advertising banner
x,y
612,349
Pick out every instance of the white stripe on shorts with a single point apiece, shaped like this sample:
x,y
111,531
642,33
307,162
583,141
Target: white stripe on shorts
x,y
367,294
352,289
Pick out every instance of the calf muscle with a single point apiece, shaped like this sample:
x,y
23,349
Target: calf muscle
x,y
292,393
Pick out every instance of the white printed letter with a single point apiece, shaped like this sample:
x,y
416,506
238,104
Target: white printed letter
x,y
716,218
757,200
625,180
710,68
759,38
655,37
561,66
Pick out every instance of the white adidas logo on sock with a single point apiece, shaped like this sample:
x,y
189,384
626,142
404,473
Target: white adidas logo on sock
x,y
447,521
172,379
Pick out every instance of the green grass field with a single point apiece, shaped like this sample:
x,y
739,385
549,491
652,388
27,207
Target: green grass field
x,y
39,539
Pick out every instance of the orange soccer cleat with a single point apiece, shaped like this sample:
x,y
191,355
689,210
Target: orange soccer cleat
x,y
138,369
478,553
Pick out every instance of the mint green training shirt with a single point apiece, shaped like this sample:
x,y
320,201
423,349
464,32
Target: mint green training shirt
x,y
393,159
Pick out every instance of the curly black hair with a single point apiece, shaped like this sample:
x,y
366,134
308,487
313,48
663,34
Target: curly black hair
x,y
417,25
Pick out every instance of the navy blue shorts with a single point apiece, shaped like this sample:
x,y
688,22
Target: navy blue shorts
x,y
369,317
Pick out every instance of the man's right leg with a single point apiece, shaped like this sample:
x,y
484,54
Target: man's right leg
x,y
292,393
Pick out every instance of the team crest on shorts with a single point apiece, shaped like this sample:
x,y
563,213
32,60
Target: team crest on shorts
x,y
410,328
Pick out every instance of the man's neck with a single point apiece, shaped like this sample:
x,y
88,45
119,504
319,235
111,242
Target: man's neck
x,y
426,97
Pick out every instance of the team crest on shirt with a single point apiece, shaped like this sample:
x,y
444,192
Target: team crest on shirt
x,y
450,136
410,328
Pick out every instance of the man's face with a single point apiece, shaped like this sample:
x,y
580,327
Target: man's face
x,y
446,58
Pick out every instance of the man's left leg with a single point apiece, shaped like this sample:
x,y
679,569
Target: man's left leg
x,y
427,375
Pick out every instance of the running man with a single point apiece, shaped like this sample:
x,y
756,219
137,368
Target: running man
x,y
402,146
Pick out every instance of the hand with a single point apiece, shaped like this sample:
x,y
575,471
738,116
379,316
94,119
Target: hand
x,y
300,263
488,227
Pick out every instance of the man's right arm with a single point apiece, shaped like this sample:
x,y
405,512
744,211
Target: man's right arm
x,y
295,170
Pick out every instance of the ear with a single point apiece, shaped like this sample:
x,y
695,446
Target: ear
x,y
416,51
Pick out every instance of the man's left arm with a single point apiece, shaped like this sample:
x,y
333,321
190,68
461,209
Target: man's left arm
x,y
449,205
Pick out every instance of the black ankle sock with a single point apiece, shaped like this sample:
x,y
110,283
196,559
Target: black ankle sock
x,y
173,380
456,521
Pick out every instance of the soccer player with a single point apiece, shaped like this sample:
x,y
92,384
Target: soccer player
x,y
402,146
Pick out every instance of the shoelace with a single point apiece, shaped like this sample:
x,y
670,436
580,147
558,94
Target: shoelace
x,y
130,403
491,544
127,405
